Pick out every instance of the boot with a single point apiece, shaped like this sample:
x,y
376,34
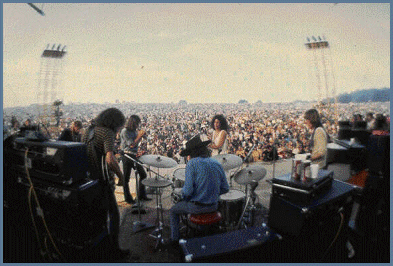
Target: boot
x,y
142,194
120,182
127,195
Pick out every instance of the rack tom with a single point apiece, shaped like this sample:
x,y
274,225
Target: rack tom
x,y
179,177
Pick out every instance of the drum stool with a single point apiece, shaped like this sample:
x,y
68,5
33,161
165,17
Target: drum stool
x,y
203,223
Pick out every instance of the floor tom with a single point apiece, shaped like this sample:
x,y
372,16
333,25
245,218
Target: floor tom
x,y
231,205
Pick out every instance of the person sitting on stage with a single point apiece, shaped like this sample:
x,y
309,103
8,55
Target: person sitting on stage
x,y
72,133
205,181
319,138
129,140
381,126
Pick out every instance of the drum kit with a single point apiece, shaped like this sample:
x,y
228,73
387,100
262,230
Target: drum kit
x,y
233,205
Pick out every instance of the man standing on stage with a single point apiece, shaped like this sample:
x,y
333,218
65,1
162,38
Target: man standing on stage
x,y
129,140
100,139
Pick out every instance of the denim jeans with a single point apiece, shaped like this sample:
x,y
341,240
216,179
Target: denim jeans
x,y
186,207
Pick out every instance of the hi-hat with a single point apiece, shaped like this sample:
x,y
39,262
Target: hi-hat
x,y
156,182
250,173
158,161
228,161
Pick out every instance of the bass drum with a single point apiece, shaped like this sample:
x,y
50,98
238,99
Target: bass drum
x,y
231,205
179,177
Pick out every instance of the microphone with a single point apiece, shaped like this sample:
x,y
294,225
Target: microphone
x,y
249,153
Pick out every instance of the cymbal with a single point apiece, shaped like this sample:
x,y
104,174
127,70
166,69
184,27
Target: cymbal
x,y
158,161
250,173
156,182
228,161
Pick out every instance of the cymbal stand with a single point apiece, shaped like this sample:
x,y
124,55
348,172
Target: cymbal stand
x,y
138,225
250,196
157,233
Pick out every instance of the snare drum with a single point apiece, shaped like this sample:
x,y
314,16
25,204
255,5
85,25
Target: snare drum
x,y
176,195
179,177
231,205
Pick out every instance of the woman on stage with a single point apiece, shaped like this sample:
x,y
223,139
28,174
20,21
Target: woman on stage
x,y
219,144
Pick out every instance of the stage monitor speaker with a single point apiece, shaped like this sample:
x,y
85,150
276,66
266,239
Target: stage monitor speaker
x,y
254,244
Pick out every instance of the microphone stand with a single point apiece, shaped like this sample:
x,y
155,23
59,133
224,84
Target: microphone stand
x,y
244,160
138,225
275,154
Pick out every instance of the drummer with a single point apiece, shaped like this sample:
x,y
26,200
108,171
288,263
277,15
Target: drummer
x,y
205,181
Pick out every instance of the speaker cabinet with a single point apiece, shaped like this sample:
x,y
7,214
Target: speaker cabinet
x,y
379,155
309,229
255,244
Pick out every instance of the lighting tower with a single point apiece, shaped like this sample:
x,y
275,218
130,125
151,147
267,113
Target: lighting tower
x,y
324,62
49,80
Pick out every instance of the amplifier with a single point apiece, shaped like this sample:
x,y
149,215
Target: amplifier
x,y
60,162
75,214
288,218
254,244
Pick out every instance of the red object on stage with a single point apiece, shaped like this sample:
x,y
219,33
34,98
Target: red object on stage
x,y
206,218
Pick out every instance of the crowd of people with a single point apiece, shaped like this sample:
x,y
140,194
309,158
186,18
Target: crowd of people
x,y
261,128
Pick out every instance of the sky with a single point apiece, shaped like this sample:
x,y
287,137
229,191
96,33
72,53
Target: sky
x,y
197,52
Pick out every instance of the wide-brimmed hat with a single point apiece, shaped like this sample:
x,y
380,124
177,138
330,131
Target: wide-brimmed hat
x,y
193,144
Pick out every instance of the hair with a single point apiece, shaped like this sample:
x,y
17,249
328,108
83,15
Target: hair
x,y
370,114
111,118
312,115
380,122
200,152
223,122
131,119
78,124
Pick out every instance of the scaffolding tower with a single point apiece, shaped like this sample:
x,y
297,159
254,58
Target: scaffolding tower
x,y
323,63
49,82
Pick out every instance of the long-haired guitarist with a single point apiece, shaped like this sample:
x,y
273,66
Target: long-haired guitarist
x,y
130,137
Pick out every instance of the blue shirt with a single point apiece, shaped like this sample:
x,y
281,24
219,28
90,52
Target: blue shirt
x,y
205,181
